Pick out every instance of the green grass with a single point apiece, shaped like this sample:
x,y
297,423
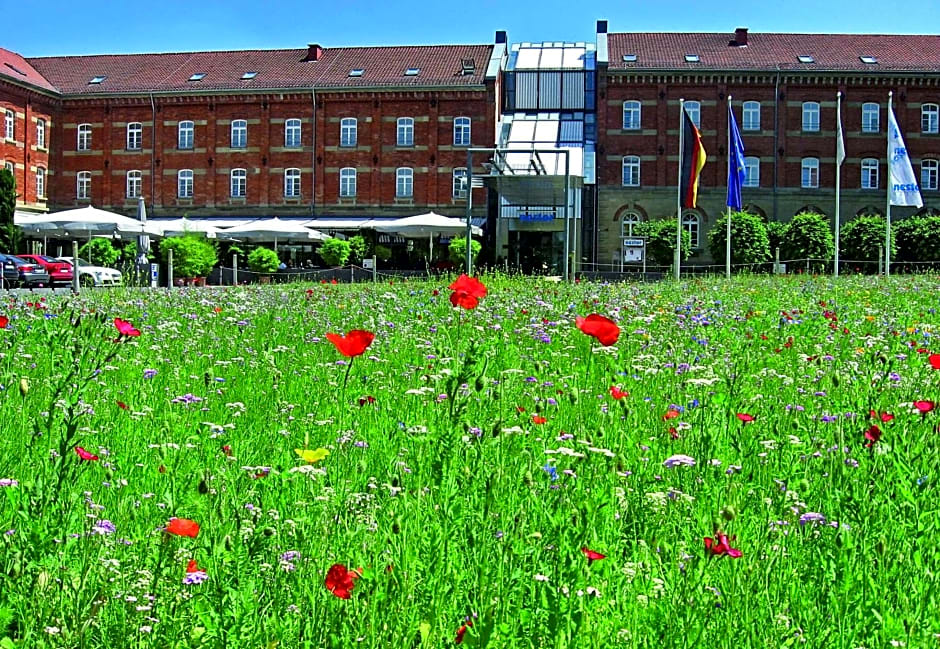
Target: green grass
x,y
451,500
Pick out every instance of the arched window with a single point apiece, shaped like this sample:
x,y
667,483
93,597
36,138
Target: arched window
x,y
631,115
40,182
239,182
292,133
347,182
810,116
83,186
460,182
135,136
870,173
809,173
348,131
751,116
184,183
406,132
461,131
404,182
133,183
930,118
929,175
691,223
629,223
185,131
84,137
751,171
239,133
694,109
870,117
631,171
292,183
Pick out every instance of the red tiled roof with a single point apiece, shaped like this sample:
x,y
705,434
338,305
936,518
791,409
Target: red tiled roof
x,y
382,66
837,52
17,68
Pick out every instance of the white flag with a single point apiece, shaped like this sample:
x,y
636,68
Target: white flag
x,y
840,143
902,183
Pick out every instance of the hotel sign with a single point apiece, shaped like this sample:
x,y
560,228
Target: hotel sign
x,y
536,217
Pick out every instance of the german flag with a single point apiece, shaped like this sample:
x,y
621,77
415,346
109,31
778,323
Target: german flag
x,y
693,159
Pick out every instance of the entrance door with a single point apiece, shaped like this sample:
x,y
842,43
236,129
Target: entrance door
x,y
537,252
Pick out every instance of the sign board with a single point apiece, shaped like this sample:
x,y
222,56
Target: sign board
x,y
633,243
367,264
536,217
634,250
154,274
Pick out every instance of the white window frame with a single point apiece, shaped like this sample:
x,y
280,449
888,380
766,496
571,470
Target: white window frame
x,y
630,171
870,179
293,133
186,135
135,136
292,183
871,117
238,183
40,182
239,130
83,185
809,173
694,109
348,132
41,133
347,182
810,121
83,137
462,131
930,118
184,183
9,166
751,171
404,182
692,223
459,183
133,183
629,221
750,116
405,131
9,121
930,174
632,115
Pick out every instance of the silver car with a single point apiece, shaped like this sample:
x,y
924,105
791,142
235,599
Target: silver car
x,y
89,275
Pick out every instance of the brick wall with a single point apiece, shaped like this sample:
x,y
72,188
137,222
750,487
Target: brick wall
x,y
24,150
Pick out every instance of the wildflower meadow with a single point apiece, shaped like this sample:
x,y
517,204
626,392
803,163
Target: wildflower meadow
x,y
488,462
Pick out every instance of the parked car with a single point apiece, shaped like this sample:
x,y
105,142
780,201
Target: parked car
x,y
28,274
89,275
59,271
10,276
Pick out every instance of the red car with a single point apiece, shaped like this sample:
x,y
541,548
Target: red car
x,y
59,271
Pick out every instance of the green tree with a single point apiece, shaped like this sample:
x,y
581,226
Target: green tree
x,y
358,248
334,252
99,252
11,235
749,241
661,240
808,236
861,238
263,260
193,255
457,250
917,238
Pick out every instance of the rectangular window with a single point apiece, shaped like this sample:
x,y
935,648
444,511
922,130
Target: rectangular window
x,y
929,119
84,137
185,137
460,183
631,115
239,182
870,173
347,182
292,183
239,134
348,131
83,186
8,122
751,116
631,171
133,184
184,182
751,172
809,176
870,118
694,110
406,132
135,136
462,131
404,183
40,182
810,116
292,134
41,133
929,173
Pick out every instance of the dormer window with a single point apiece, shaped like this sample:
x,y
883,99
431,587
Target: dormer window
x,y
629,58
198,76
357,72
412,72
249,75
868,60
806,58
467,66
692,58
98,79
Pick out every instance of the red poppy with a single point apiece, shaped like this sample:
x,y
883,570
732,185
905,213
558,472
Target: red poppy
x,y
333,281
744,417
467,292
85,455
538,419
617,393
183,527
924,406
599,327
340,580
193,567
4,321
227,449
462,630
592,555
122,405
217,309
873,434
435,292
353,343
934,361
670,414
367,399
125,328
885,416
720,545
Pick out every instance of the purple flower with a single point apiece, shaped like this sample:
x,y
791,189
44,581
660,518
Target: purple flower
x,y
679,460
197,577
812,517
103,527
149,373
8,482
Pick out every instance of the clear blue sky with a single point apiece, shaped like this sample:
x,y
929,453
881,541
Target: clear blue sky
x,y
118,26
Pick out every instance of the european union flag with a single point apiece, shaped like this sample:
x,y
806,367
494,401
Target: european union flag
x,y
736,171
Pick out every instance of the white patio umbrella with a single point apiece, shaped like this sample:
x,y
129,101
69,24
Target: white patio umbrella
x,y
272,229
86,220
186,226
143,240
426,225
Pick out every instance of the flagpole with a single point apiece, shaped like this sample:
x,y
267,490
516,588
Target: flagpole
x,y
728,224
888,188
838,174
678,254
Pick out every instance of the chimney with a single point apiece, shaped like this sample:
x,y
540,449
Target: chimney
x,y
500,37
601,26
314,52
740,37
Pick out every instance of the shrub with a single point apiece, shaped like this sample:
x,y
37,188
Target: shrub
x,y
99,252
775,233
263,260
334,252
749,242
383,253
917,238
860,239
457,250
193,256
661,241
808,236
358,248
